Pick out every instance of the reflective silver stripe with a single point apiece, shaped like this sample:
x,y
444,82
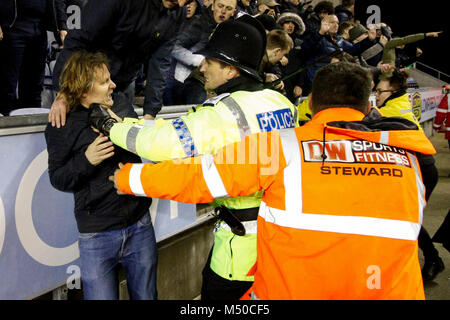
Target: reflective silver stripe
x,y
148,122
406,111
212,177
384,137
293,170
135,180
253,296
239,115
367,226
250,226
442,110
132,137
420,185
295,116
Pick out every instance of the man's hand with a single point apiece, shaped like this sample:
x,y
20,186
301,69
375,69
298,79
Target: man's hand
x,y
324,27
433,34
280,86
1,34
372,32
270,77
148,117
297,91
383,40
58,111
114,179
62,35
385,67
284,61
418,52
100,149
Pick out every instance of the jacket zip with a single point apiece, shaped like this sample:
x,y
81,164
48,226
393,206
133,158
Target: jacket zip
x,y
15,14
54,15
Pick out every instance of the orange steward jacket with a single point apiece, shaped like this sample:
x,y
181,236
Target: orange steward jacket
x,y
335,222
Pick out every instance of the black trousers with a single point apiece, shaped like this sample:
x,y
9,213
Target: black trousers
x,y
22,64
216,288
430,178
442,235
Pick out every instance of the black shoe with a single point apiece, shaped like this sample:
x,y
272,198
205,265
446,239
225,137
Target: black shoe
x,y
432,268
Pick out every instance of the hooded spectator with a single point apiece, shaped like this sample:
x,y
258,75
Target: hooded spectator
x,y
293,25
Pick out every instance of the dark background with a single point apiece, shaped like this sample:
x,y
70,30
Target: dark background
x,y
409,17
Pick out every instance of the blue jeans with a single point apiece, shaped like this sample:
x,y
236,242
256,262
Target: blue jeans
x,y
133,247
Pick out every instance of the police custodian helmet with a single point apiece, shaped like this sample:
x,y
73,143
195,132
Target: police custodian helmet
x,y
240,43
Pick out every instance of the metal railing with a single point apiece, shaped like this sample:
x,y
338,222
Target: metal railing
x,y
432,71
28,123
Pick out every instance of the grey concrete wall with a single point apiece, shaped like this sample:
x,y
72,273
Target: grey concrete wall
x,y
181,261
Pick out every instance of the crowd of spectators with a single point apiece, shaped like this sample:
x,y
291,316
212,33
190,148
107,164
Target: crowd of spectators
x,y
163,65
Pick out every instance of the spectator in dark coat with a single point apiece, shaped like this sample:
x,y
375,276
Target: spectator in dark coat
x,y
247,6
128,31
279,43
173,91
160,60
291,6
293,25
321,10
406,55
319,44
344,29
268,22
193,39
345,10
23,49
268,7
371,48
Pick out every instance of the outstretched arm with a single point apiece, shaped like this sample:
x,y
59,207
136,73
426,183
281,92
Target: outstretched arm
x,y
238,169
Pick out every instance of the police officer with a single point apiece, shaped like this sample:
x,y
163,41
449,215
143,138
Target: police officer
x,y
242,107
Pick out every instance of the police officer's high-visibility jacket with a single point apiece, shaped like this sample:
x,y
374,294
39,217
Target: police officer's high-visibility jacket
x,y
222,120
398,105
335,222
304,112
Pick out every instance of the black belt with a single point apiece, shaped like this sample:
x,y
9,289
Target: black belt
x,y
249,214
234,218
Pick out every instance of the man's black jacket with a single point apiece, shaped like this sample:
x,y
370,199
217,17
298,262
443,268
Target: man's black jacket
x,y
98,208
54,20
127,31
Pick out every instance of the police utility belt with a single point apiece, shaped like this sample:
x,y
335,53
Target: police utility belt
x,y
240,222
